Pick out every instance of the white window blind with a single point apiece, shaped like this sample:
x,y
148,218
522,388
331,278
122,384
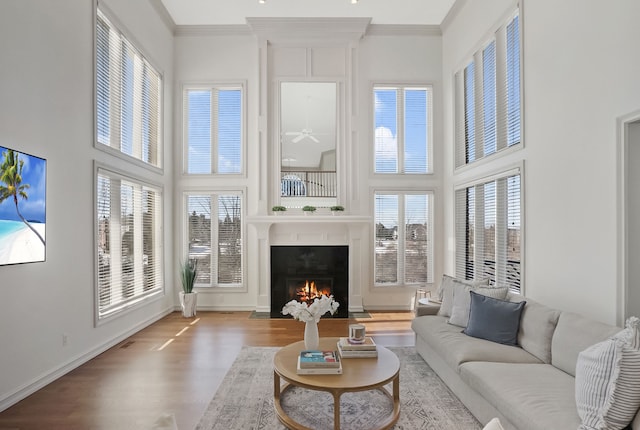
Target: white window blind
x,y
488,94
215,238
403,247
128,96
402,129
213,128
129,250
488,231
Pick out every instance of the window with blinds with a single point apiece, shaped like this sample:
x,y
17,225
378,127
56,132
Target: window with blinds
x,y
129,242
213,130
403,248
215,238
402,129
489,231
488,93
128,97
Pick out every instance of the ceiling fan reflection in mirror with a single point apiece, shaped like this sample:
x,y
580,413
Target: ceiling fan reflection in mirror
x,y
305,132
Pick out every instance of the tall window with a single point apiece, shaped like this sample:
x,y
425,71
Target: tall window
x,y
402,129
215,238
128,97
129,242
489,231
488,109
403,238
213,130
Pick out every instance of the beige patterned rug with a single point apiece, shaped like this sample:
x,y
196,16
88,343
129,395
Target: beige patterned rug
x,y
245,400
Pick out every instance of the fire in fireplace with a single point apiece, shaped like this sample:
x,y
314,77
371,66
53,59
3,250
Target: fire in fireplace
x,y
304,273
306,291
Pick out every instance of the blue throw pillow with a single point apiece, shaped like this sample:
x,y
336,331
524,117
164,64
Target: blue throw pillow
x,y
493,319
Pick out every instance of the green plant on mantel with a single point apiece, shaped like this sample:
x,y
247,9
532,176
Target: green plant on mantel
x,y
278,209
309,208
337,208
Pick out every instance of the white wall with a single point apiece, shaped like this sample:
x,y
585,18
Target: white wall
x,y
414,58
409,59
580,74
46,109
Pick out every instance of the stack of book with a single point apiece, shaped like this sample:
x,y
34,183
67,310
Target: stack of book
x,y
312,362
366,349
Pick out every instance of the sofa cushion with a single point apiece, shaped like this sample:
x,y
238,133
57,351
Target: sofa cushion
x,y
493,319
456,347
574,333
462,301
445,291
537,325
529,396
608,380
494,424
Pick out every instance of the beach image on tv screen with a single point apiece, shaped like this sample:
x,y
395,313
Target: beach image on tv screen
x,y
22,207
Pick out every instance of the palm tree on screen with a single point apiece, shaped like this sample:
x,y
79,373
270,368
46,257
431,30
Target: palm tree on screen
x,y
11,184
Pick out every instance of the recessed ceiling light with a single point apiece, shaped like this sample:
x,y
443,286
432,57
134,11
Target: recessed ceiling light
x,y
354,1
262,1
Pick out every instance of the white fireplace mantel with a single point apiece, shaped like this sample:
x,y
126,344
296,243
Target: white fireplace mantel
x,y
350,230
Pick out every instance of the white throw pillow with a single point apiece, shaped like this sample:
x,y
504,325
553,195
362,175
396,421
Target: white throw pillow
x,y
608,380
494,424
462,301
445,291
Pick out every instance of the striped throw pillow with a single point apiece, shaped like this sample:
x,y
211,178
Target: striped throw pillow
x,y
608,380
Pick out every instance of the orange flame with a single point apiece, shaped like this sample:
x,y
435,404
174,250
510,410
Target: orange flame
x,y
309,292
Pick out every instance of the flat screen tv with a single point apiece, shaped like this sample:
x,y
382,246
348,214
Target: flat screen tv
x,y
23,219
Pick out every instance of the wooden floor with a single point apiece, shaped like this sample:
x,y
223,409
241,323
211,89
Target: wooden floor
x,y
172,367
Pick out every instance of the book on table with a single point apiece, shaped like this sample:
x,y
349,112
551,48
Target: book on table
x,y
357,353
348,345
319,370
316,359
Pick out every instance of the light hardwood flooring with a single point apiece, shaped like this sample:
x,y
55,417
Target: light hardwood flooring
x,y
173,367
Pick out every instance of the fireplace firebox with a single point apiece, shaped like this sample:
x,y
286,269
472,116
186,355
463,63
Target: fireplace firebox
x,y
303,273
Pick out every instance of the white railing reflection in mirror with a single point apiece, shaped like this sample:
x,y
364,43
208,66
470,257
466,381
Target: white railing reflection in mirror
x,y
308,183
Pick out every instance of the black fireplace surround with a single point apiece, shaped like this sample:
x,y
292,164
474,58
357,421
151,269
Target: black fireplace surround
x,y
297,272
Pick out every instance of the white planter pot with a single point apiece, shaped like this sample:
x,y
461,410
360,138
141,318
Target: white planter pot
x,y
189,303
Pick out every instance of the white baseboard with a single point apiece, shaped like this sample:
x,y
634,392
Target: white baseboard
x,y
45,379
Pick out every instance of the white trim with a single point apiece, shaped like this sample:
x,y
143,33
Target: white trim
x,y
159,169
403,30
182,131
45,379
402,192
622,219
210,191
145,299
402,85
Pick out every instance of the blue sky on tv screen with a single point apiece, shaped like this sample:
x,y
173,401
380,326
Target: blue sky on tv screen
x,y
34,174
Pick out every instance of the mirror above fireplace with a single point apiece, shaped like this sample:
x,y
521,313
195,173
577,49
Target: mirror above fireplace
x,y
308,141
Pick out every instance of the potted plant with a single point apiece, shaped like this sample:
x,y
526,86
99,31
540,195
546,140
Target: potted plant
x,y
336,209
308,210
278,209
188,297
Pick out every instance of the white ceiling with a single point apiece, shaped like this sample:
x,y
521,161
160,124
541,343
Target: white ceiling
x,y
224,12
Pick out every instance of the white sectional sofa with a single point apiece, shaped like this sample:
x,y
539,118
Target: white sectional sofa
x,y
530,386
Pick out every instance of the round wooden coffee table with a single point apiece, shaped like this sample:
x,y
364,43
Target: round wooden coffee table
x,y
358,374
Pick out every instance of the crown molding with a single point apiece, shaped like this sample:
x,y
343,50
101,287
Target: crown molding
x,y
213,30
164,14
451,15
309,28
403,30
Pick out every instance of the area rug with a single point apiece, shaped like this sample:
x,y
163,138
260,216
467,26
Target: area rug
x,y
245,400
